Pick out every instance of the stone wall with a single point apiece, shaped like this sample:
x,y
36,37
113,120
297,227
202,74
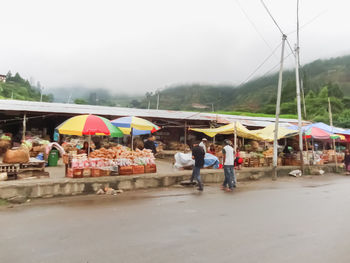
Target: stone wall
x,y
22,189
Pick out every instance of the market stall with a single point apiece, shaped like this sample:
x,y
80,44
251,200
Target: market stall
x,y
119,160
256,150
116,160
132,126
18,164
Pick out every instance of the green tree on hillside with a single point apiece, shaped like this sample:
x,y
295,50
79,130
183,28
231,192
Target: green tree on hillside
x,y
80,101
19,88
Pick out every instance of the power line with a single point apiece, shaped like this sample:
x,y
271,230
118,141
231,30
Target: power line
x,y
275,66
308,22
273,19
275,22
297,23
261,64
254,26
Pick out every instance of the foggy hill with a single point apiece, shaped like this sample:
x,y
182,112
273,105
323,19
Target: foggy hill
x,y
257,93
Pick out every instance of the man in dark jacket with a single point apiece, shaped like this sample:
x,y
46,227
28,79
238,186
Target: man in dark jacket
x,y
149,144
198,156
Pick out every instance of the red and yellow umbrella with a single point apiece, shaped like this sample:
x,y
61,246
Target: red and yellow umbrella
x,y
89,125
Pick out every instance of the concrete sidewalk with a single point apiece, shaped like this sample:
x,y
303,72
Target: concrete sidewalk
x,y
50,187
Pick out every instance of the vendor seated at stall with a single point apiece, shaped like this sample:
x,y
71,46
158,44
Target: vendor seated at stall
x,y
286,151
149,144
85,148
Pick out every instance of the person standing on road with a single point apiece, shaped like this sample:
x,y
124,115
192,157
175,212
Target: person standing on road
x,y
203,144
198,156
229,158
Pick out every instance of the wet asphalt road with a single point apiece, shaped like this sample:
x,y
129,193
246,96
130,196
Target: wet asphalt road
x,y
291,220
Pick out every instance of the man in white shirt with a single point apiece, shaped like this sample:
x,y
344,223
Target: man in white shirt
x,y
229,158
203,144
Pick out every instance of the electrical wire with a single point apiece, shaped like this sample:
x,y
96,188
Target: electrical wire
x,y
308,22
275,22
254,26
260,65
275,66
273,19
300,79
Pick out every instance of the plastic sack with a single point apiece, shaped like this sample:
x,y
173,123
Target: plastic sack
x,y
211,160
185,160
295,173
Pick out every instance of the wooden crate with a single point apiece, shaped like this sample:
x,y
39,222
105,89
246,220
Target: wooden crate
x,y
105,172
125,170
87,172
74,173
95,172
254,162
32,166
11,170
150,168
138,169
287,161
246,162
295,162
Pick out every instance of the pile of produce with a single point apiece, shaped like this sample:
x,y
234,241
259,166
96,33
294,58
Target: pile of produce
x,y
268,153
68,147
123,156
178,146
5,137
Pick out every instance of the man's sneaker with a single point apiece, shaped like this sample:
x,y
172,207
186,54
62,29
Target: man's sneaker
x,y
200,189
228,190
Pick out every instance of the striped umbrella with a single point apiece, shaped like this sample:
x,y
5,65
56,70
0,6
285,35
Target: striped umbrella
x,y
89,125
317,133
135,125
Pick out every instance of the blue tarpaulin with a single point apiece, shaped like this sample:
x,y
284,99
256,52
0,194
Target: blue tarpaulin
x,y
211,160
321,126
185,160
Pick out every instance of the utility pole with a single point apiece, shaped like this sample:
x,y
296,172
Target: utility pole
x,y
331,123
149,103
24,127
212,107
158,92
235,138
69,97
278,103
297,84
303,94
185,137
41,94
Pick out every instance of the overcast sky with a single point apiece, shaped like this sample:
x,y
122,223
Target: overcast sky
x,y
141,45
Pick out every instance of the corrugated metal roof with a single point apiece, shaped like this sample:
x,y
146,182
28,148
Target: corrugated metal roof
x,y
32,106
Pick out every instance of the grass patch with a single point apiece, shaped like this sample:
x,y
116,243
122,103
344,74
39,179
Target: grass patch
x,y
3,202
255,114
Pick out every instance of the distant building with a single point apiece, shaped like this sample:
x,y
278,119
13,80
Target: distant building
x,y
199,106
2,78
